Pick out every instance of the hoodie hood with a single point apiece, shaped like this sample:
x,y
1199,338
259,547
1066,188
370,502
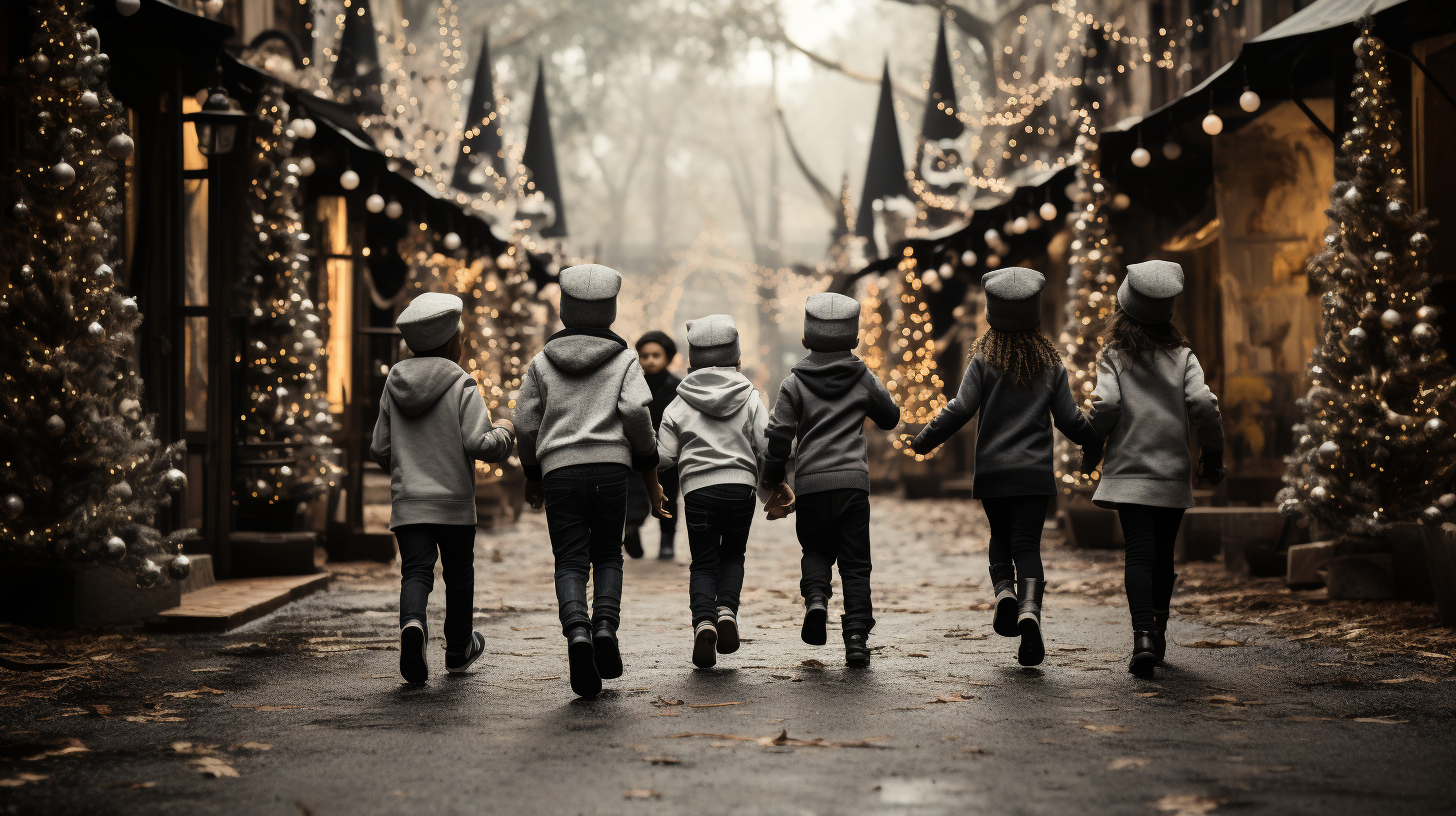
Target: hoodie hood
x,y
829,374
417,383
576,351
718,391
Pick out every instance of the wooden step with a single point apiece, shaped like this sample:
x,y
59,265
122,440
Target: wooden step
x,y
234,602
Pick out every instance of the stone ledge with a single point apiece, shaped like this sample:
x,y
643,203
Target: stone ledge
x,y
232,603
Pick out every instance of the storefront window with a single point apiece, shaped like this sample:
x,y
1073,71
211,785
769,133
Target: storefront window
x,y
194,404
338,294
194,206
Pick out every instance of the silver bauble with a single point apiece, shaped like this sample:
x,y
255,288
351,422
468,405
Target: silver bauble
x,y
96,330
1435,426
90,101
14,505
1383,257
180,568
1380,455
40,64
1356,338
63,173
1424,334
1172,150
1447,500
91,38
306,166
393,209
1327,451
19,211
122,491
174,480
1432,516
1318,493
55,426
1397,209
1390,318
1420,242
130,408
128,306
120,146
1427,314
1352,196
115,548
149,575
127,8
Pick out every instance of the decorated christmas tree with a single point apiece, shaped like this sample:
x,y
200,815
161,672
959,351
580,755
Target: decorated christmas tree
x,y
285,419
1376,445
81,476
1091,286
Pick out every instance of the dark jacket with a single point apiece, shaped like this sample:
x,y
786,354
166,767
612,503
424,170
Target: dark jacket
x,y
1014,437
823,404
663,386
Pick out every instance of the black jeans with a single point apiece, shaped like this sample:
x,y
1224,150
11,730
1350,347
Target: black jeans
x,y
639,508
455,544
1150,533
718,520
586,506
1016,523
834,525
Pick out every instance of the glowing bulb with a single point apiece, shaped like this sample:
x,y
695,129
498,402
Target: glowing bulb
x,y
1172,150
1048,211
1212,125
349,180
1141,157
394,209
1249,101
374,203
451,241
968,258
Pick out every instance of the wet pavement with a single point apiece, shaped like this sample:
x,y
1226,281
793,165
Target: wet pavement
x,y
303,711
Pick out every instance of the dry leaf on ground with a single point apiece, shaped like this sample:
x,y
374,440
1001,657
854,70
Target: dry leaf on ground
x,y
214,767
954,698
1128,763
663,760
783,738
68,746
184,695
641,793
1221,643
660,702
1384,719
1108,729
22,779
812,664
1186,805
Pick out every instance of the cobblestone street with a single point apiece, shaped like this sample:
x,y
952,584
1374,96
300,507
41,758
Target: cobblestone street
x,y
1265,707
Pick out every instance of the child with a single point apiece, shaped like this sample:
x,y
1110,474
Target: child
x,y
1016,380
713,432
655,351
584,425
823,404
1148,386
432,423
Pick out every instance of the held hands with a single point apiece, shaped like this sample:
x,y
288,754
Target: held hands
x,y
654,494
1091,458
780,502
505,423
1210,467
535,496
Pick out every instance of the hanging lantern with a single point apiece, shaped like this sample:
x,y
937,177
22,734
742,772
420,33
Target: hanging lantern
x,y
393,209
303,128
968,258
1249,101
306,166
374,203
1212,125
1172,150
1048,211
349,180
451,241
1141,157
217,124
1121,201
1020,225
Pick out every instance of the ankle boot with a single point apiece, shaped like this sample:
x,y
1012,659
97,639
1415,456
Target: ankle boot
x,y
1144,656
1028,621
606,653
1003,583
816,612
584,678
856,647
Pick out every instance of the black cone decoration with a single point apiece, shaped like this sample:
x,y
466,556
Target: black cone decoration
x,y
885,174
940,119
539,155
356,72
482,142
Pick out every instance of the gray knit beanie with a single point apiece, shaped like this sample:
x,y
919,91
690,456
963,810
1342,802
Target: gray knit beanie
x,y
589,296
712,341
1013,298
831,322
430,320
1148,290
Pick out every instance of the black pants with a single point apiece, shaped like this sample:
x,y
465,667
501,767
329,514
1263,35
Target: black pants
x,y
834,525
718,520
1016,523
639,508
1150,533
418,546
586,506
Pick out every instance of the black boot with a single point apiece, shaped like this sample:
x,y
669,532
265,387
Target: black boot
x,y
856,647
665,550
584,678
1144,656
816,612
632,542
1162,602
1028,621
605,652
1003,583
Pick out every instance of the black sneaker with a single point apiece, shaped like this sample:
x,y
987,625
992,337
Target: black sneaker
x,y
412,639
584,678
816,612
705,641
666,552
856,647
461,661
632,543
727,631
605,651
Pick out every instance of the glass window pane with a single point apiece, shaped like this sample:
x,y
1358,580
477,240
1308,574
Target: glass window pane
x,y
194,242
192,495
192,158
194,397
338,294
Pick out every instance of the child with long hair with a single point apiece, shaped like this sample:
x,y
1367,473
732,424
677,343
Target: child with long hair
x,y
1149,384
1016,380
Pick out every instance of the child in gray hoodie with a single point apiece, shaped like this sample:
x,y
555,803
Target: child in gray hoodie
x,y
822,405
433,424
584,426
714,433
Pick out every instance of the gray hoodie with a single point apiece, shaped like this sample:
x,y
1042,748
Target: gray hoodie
x,y
584,400
713,431
1142,406
432,423
823,403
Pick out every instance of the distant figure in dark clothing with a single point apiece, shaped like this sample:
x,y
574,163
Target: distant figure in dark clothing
x,y
655,351
1016,380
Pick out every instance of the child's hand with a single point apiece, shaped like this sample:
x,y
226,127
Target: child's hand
x,y
505,423
535,496
1210,467
654,494
1091,458
780,502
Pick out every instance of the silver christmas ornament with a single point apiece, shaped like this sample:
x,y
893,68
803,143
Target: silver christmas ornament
x,y
127,8
1447,500
306,166
1390,318
1383,257
393,209
150,574
180,568
55,426
40,64
1432,516
1249,101
1436,426
19,211
1141,157
1357,338
1319,493
120,146
374,203
129,306
1172,150
174,480
1420,242
1428,313
1352,196
122,491
96,330
14,505
130,408
115,548
451,241
90,101
1327,451
1424,334
63,173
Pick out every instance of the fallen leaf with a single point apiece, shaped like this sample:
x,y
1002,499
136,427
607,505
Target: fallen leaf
x,y
1108,729
1071,648
783,738
255,746
953,697
1186,805
103,710
1220,699
68,746
127,785
1128,763
1222,643
812,664
1148,693
1384,719
214,767
21,779
199,671
184,695
661,702
711,705
267,707
916,654
663,760
641,793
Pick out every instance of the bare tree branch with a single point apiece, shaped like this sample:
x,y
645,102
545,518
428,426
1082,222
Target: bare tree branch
x,y
826,196
913,93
